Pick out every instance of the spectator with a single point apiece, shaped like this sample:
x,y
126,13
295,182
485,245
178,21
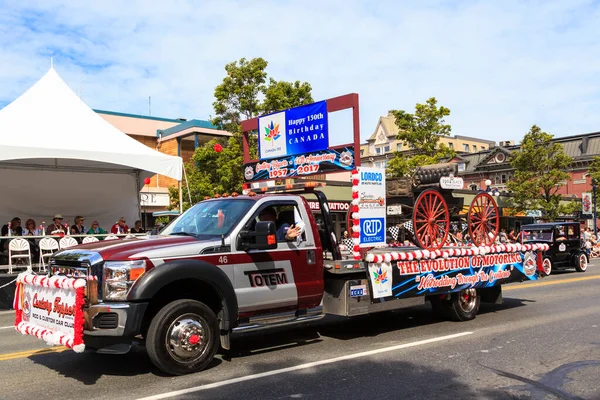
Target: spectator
x,y
511,236
120,228
78,228
13,228
96,230
32,230
502,236
137,228
157,228
57,227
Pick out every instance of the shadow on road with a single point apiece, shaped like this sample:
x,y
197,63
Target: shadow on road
x,y
87,368
372,378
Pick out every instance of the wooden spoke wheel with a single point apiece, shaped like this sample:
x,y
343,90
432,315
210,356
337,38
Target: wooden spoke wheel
x,y
431,220
484,220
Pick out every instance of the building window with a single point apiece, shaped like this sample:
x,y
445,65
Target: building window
x,y
482,147
377,150
461,167
503,178
451,146
474,148
386,149
385,164
399,147
466,147
496,179
362,152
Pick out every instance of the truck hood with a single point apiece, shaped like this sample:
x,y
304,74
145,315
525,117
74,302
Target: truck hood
x,y
124,249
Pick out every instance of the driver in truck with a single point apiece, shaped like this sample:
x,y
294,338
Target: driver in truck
x,y
285,232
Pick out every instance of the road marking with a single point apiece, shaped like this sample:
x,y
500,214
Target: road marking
x,y
547,283
303,366
28,353
6,327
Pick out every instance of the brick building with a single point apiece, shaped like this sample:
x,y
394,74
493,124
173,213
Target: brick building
x,y
177,137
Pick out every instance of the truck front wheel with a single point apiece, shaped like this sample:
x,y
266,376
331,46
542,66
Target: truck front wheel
x,y
183,337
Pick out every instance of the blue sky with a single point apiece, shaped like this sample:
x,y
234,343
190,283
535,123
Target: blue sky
x,y
500,66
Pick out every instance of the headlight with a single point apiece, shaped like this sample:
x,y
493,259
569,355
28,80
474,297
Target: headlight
x,y
119,276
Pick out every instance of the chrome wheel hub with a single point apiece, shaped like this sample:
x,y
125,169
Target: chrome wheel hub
x,y
583,262
467,299
187,338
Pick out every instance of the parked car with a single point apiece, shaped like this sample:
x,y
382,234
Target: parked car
x,y
567,249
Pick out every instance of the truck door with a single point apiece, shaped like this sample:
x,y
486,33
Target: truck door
x,y
289,276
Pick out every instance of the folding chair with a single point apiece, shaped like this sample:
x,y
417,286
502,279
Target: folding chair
x,y
111,237
67,242
18,245
89,239
48,246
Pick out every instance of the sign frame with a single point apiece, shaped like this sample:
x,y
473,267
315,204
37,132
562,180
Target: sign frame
x,y
372,210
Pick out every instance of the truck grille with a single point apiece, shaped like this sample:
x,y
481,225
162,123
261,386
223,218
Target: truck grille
x,y
63,264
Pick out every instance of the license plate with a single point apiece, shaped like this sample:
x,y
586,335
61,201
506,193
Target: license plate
x,y
358,291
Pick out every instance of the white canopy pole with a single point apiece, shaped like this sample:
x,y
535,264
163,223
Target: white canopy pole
x,y
187,184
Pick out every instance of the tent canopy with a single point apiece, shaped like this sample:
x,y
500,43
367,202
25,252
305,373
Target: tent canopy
x,y
58,156
51,122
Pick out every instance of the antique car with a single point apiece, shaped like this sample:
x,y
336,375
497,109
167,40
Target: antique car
x,y
566,247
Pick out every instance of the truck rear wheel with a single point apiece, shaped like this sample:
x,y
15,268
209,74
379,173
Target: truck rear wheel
x,y
581,262
183,337
461,306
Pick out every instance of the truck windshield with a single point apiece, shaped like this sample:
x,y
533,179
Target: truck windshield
x,y
209,218
537,235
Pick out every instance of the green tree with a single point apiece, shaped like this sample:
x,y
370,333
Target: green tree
x,y
243,94
540,169
594,169
421,131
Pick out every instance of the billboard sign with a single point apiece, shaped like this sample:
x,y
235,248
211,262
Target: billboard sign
x,y
297,166
371,206
294,131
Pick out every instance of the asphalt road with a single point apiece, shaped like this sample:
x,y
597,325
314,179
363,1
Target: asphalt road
x,y
542,343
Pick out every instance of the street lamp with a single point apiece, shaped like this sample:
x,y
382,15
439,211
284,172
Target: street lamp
x,y
492,191
594,183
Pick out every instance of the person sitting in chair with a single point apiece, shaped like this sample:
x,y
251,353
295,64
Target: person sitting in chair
x,y
285,231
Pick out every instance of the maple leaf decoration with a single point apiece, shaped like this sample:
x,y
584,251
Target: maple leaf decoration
x,y
272,132
380,276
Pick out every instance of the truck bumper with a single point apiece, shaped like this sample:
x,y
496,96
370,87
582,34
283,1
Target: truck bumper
x,y
111,327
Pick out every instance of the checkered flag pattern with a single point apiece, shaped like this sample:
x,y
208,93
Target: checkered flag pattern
x,y
394,230
348,243
409,225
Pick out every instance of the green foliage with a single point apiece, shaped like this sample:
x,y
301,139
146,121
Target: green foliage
x,y
594,169
540,168
243,94
421,131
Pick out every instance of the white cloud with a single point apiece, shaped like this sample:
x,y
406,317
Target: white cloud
x,y
499,66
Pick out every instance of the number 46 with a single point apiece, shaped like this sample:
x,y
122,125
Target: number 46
x,y
223,259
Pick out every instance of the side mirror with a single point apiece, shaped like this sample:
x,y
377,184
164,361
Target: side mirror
x,y
262,238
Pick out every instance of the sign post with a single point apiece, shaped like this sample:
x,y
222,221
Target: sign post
x,y
371,206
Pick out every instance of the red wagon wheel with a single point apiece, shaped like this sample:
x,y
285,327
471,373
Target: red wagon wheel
x,y
483,220
431,220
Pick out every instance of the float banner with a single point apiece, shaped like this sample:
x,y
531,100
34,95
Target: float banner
x,y
586,203
298,130
453,274
51,309
318,162
371,205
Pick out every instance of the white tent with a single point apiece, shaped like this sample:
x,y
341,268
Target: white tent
x,y
58,156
